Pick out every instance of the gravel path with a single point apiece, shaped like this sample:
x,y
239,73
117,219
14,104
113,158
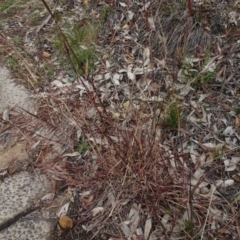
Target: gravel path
x,y
20,215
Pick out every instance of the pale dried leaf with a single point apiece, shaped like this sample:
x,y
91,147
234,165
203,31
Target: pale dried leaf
x,y
161,62
74,154
229,131
85,86
134,216
125,26
145,6
235,159
124,202
123,70
218,182
59,84
156,235
90,113
63,210
107,76
84,47
85,194
194,154
85,2
229,165
233,17
230,168
148,227
47,197
116,115
227,183
198,173
125,229
218,214
202,159
122,4
131,75
108,65
165,219
47,54
112,200
70,195
98,77
211,191
211,65
6,115
146,53
202,190
194,104
130,15
142,70
237,122
184,89
146,62
202,97
116,78
115,139
97,210
35,144
127,106
151,23
212,146
178,227
97,140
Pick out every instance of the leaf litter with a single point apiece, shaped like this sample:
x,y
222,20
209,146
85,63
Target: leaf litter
x,y
146,179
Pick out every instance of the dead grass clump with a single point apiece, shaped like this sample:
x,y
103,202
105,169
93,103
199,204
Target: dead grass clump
x,y
136,171
134,165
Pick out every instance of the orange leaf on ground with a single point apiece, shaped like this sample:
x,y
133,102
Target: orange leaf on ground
x,y
65,222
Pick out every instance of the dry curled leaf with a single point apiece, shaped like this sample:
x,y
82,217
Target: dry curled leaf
x,y
85,2
63,210
116,115
236,178
97,210
237,121
126,26
148,227
65,222
6,115
127,106
47,54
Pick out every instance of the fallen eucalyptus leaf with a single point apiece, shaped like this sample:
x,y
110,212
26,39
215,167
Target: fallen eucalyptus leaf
x,y
63,210
97,210
148,227
6,115
65,222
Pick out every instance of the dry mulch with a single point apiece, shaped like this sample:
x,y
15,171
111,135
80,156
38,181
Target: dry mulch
x,y
141,178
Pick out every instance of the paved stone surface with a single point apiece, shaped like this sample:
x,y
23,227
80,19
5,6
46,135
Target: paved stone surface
x,y
20,191
13,95
32,229
18,194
